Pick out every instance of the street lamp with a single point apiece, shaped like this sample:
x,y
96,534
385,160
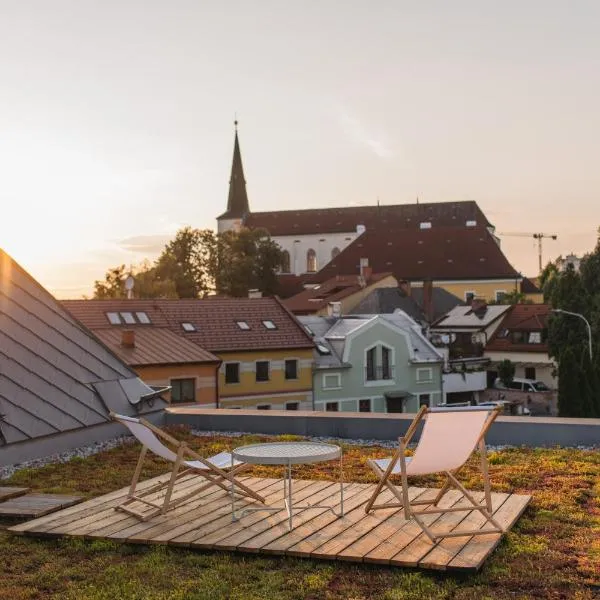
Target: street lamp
x,y
573,314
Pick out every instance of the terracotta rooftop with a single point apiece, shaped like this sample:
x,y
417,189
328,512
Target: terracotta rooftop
x,y
311,300
154,346
214,321
442,253
346,219
521,318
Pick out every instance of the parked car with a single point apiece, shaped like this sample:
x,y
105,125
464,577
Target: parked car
x,y
522,385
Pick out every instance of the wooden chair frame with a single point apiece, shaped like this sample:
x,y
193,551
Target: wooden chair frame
x,y
215,476
450,482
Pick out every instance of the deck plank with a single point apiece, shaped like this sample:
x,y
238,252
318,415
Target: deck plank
x,y
11,492
36,505
204,522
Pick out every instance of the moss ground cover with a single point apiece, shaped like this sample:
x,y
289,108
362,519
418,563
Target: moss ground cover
x,y
552,552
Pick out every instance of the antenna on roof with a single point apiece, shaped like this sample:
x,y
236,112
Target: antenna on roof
x,y
417,199
235,121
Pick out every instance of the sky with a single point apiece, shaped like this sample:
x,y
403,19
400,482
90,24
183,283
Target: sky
x,y
116,119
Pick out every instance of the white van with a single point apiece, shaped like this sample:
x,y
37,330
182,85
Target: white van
x,y
522,385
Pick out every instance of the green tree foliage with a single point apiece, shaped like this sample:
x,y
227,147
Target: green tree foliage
x,y
506,371
568,341
247,260
196,263
514,297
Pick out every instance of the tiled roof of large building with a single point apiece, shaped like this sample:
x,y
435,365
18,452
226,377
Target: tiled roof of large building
x,y
313,299
525,318
440,254
346,219
215,324
55,376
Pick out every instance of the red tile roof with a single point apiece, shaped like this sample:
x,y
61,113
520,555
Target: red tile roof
x,y
215,320
154,346
289,285
439,253
342,220
337,288
520,317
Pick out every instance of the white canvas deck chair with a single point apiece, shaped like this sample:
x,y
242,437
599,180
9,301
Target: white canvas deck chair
x,y
449,437
219,470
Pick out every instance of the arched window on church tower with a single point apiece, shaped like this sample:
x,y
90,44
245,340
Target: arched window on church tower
x,y
311,261
335,252
285,262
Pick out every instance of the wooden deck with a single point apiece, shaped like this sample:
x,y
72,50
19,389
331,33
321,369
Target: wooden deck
x,y
204,522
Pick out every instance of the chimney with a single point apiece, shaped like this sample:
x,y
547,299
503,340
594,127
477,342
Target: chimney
x,y
334,309
364,263
428,300
254,293
128,338
479,307
367,272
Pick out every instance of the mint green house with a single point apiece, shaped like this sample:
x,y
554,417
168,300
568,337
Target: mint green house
x,y
373,363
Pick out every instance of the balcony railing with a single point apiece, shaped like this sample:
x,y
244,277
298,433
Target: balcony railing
x,y
379,372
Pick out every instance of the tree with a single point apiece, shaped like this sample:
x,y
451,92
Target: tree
x,y
113,285
506,372
247,259
569,385
147,284
514,297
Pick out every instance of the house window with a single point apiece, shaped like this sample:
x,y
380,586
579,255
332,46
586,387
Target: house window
x,y
364,405
500,294
143,318
291,369
243,325
335,252
535,337
291,405
332,381
189,327
232,372
424,375
263,407
424,400
285,261
113,318
311,261
378,363
269,324
371,371
529,372
469,297
128,318
331,406
183,390
262,370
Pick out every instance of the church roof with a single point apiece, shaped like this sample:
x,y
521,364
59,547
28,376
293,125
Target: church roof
x,y
237,201
345,220
439,253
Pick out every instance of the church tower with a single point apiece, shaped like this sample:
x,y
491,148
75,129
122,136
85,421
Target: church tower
x,y
237,201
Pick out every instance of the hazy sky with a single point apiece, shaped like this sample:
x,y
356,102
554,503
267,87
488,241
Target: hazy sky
x,y
116,118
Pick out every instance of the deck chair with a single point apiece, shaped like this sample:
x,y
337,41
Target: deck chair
x,y
449,437
219,470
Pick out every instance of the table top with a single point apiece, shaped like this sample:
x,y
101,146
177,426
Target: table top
x,y
284,453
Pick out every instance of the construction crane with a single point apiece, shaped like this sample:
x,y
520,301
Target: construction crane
x,y
536,236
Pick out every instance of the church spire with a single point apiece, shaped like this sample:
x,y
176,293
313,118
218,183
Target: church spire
x,y
237,202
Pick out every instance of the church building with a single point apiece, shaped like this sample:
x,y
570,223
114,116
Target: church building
x,y
451,243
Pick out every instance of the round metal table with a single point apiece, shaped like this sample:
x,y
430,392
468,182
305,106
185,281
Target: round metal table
x,y
288,454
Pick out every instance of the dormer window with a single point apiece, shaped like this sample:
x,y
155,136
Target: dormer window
x,y
188,327
243,325
269,324
113,318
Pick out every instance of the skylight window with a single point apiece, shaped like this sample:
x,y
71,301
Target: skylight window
x,y
128,318
425,225
143,318
269,324
321,349
309,330
113,318
189,327
243,325
471,223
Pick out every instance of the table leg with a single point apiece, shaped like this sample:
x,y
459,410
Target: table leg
x,y
341,487
290,506
232,495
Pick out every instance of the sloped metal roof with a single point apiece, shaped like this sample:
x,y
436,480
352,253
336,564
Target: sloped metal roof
x,y
55,376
